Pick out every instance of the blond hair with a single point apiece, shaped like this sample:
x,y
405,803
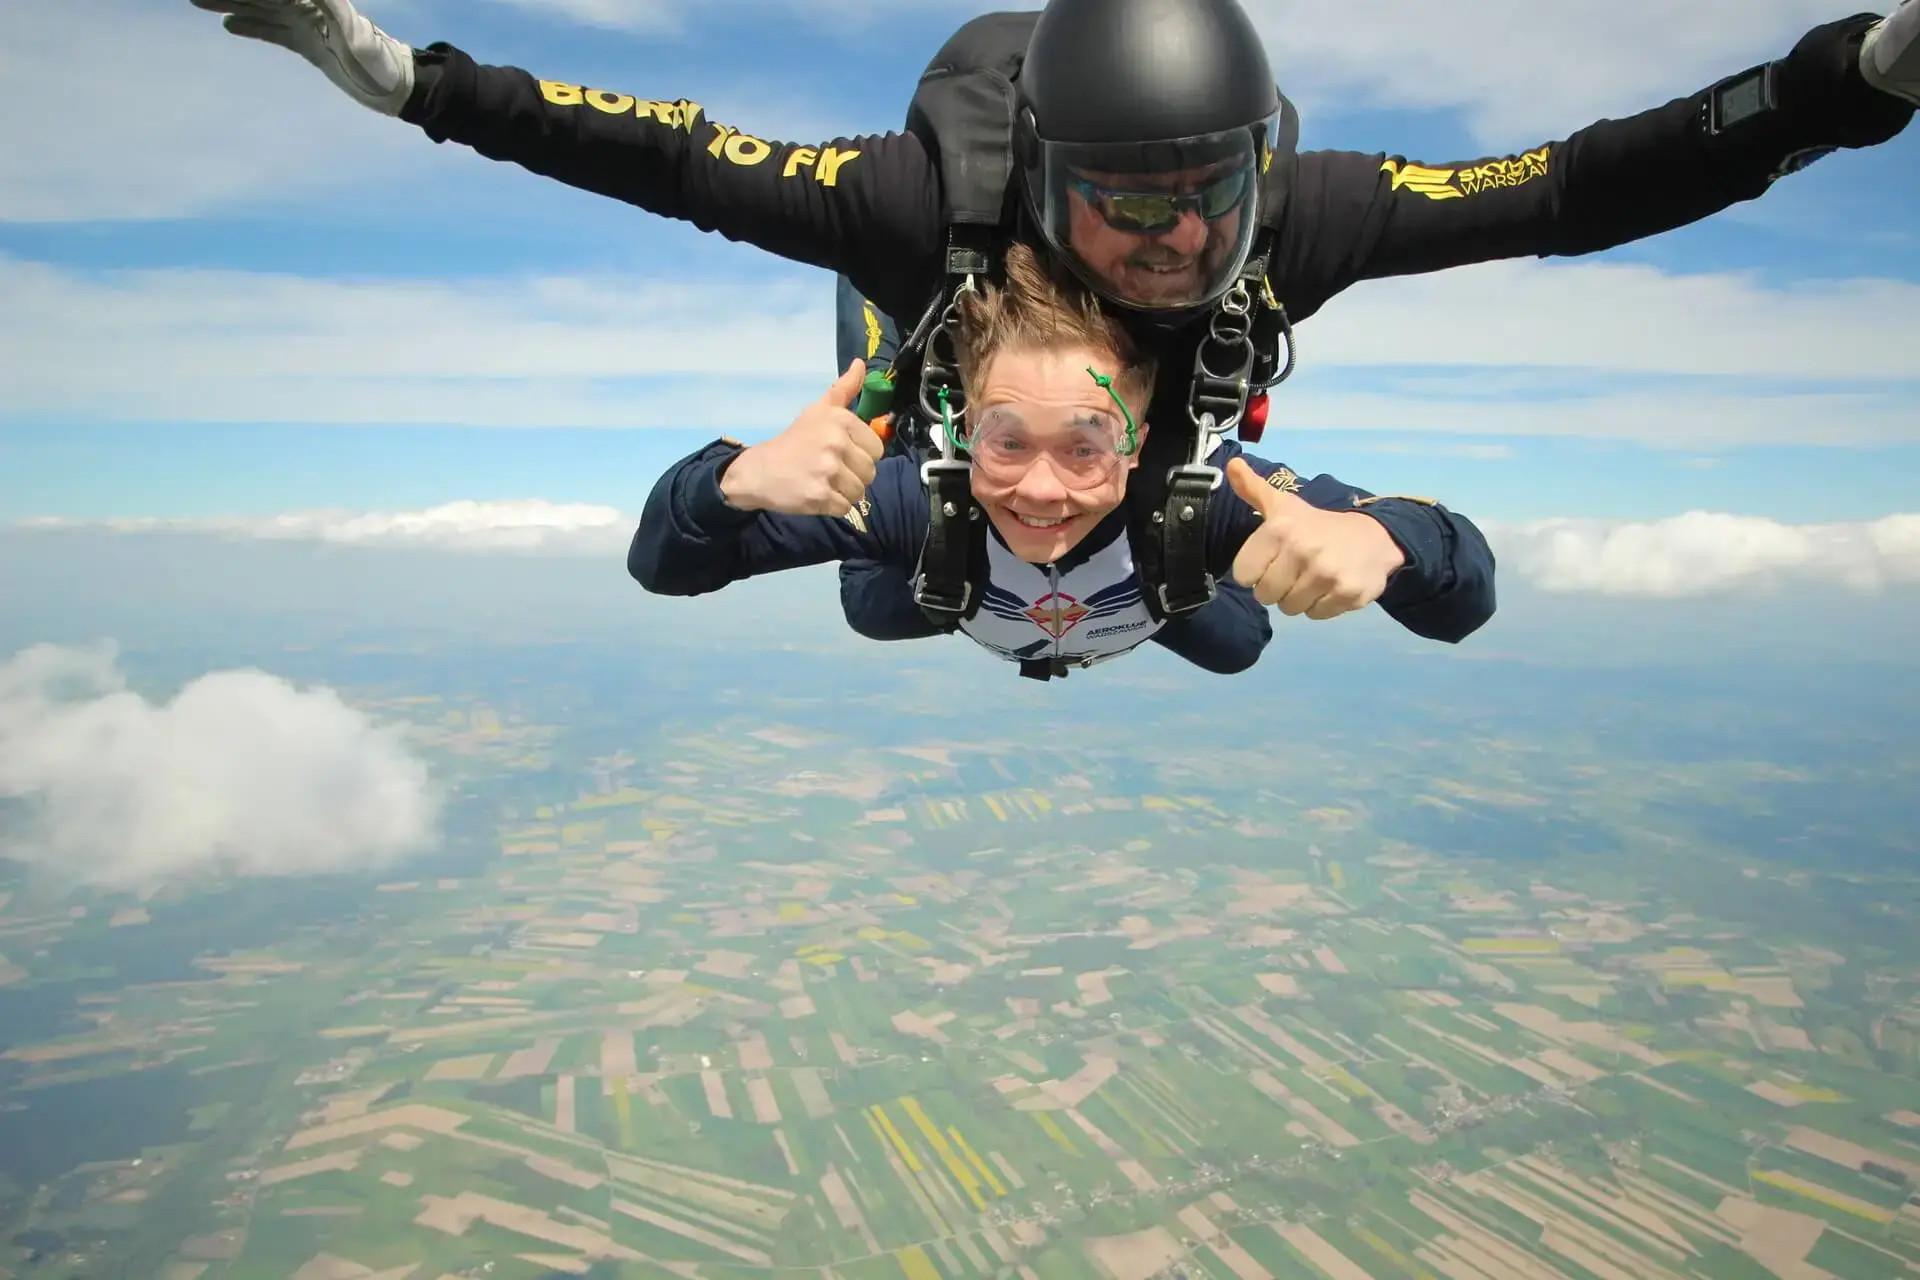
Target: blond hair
x,y
1042,309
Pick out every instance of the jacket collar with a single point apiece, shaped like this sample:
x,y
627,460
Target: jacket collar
x,y
1103,535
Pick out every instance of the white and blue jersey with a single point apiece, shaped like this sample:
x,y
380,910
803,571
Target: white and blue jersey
x,y
1088,613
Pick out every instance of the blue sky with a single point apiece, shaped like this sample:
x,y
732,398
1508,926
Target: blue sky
x,y
235,293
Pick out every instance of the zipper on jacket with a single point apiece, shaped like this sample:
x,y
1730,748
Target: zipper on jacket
x,y
1053,585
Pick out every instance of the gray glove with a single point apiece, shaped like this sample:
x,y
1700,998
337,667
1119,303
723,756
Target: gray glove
x,y
1890,53
372,67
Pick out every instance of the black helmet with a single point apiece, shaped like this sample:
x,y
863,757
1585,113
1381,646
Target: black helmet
x,y
1145,130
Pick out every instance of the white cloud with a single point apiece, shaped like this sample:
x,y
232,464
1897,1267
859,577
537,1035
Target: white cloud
x,y
170,117
672,17
1704,553
532,526
853,18
1699,553
621,15
239,772
1501,349
1686,419
1523,72
176,345
1624,317
1470,452
125,109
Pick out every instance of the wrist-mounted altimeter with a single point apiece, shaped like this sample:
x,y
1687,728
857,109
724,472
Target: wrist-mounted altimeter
x,y
1741,99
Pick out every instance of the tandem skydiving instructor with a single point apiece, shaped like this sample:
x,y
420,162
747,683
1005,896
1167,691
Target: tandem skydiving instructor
x,y
1144,146
1117,94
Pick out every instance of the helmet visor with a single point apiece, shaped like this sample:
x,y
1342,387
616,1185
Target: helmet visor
x,y
1158,225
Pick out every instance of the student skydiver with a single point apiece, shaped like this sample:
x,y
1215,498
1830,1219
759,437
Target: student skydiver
x,y
1055,425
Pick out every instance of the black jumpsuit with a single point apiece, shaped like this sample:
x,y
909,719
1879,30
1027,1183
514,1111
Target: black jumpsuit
x,y
869,208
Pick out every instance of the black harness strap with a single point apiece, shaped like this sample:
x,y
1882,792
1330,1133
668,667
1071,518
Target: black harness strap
x,y
1185,583
964,109
1223,365
952,568
952,560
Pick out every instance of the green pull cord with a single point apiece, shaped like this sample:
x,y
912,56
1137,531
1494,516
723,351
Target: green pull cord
x,y
1133,432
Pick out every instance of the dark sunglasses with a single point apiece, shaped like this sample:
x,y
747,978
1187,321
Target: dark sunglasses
x,y
1154,213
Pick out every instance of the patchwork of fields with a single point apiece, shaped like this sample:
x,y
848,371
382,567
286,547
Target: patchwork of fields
x,y
778,1006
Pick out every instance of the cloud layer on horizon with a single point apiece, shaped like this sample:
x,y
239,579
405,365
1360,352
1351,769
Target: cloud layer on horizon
x,y
1698,553
1670,359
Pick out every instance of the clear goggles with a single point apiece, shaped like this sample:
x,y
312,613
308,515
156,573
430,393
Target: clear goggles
x,y
1083,448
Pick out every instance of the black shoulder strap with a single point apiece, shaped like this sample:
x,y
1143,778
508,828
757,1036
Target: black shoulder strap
x,y
1273,326
952,566
1236,358
947,584
963,109
1173,555
1186,584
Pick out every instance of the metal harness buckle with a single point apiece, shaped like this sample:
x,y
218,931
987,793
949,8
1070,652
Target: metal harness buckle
x,y
946,475
1188,486
1222,381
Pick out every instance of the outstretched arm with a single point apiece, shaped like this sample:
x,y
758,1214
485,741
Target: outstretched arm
x,y
1352,216
836,205
855,205
1295,541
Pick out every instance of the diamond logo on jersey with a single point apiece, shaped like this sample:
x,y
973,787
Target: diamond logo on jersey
x,y
1088,613
1057,614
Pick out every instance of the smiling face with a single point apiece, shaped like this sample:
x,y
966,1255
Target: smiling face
x,y
1045,440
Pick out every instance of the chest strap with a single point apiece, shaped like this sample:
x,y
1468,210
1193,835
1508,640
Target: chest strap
x,y
947,582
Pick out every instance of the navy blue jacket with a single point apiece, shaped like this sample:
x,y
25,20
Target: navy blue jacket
x,y
691,541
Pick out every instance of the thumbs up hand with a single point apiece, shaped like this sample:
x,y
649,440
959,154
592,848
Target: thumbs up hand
x,y
1305,560
821,465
